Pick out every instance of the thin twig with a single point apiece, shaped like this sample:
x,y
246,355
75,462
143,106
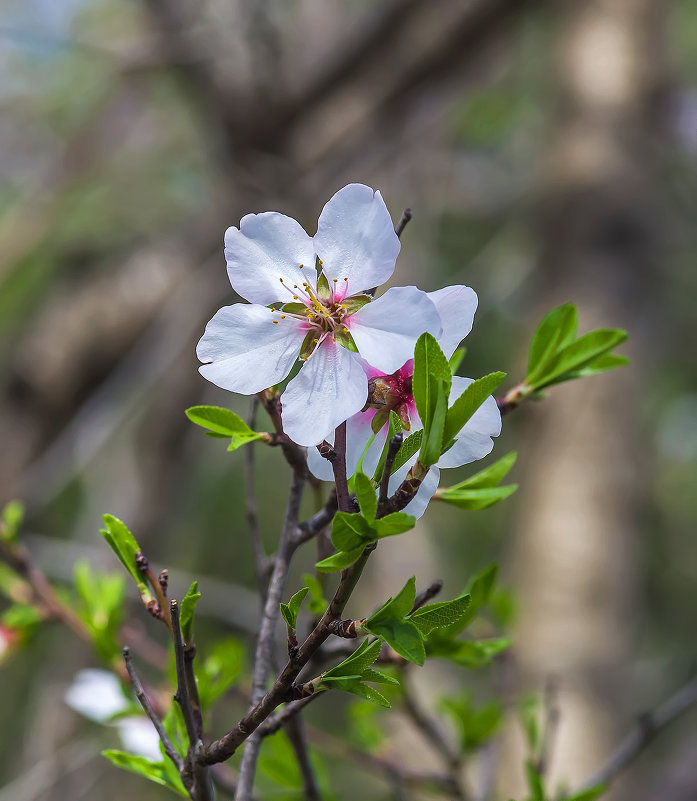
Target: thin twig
x,y
403,222
314,525
296,734
264,649
182,695
426,594
262,566
274,722
144,701
648,727
192,686
392,449
339,468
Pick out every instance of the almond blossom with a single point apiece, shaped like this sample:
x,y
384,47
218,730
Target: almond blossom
x,y
393,392
311,298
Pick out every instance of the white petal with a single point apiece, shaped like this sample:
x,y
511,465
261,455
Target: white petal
x,y
330,387
138,736
356,240
96,694
456,306
265,248
417,506
474,440
358,434
320,467
246,350
386,330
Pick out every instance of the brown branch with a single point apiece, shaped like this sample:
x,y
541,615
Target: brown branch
x,y
339,467
262,565
392,449
296,734
144,701
314,525
274,722
426,594
264,649
648,727
403,222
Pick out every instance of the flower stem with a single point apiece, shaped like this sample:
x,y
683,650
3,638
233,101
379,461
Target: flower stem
x,y
339,467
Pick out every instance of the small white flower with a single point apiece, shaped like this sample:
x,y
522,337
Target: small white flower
x,y
98,696
308,299
456,306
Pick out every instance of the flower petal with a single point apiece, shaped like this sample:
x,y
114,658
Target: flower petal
x,y
358,434
246,351
265,248
386,330
356,240
417,506
330,387
456,306
475,440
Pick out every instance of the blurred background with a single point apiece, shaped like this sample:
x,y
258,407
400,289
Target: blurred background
x,y
548,149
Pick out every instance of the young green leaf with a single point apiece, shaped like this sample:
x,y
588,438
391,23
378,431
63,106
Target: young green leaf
x,y
456,360
402,636
350,530
609,361
474,653
124,545
394,523
318,603
438,615
155,771
356,687
394,427
290,610
535,783
220,669
339,561
579,354
490,476
430,366
475,499
367,498
398,607
558,328
410,446
354,665
188,605
476,724
467,404
223,422
11,520
433,441
590,794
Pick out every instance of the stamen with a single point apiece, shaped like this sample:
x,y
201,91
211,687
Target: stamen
x,y
275,322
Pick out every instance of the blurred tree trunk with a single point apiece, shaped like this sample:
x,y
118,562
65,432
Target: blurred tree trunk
x,y
574,557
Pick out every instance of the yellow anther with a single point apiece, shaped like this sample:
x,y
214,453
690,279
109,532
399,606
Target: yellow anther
x,y
295,297
300,266
275,322
283,317
345,279
281,280
335,280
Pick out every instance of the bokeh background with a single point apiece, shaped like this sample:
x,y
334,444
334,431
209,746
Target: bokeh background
x,y
548,149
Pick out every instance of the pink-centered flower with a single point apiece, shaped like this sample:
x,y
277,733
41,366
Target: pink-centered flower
x,y
393,392
310,298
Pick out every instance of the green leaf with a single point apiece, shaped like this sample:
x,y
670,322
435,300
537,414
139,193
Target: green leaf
x,y
124,545
155,771
21,616
480,589
398,607
433,442
472,653
579,354
377,676
475,499
339,561
318,603
402,636
590,794
410,446
431,381
188,605
476,724
350,530
456,360
290,610
394,523
100,606
354,665
490,476
394,427
438,615
537,789
11,520
558,328
355,687
608,361
367,498
467,404
224,422
219,670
